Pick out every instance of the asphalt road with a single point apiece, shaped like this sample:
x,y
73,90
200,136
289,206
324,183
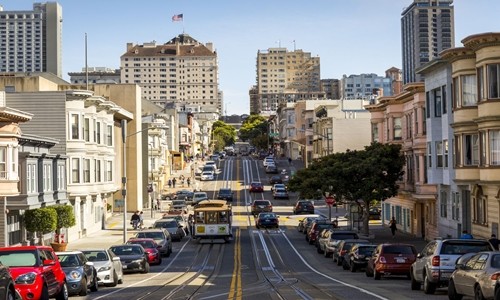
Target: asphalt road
x,y
256,264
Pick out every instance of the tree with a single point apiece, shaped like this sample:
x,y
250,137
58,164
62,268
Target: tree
x,y
255,130
366,175
65,219
223,134
40,221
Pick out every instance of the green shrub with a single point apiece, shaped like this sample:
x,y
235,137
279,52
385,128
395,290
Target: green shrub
x,y
42,220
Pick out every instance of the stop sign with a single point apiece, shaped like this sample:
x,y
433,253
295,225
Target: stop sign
x,y
330,200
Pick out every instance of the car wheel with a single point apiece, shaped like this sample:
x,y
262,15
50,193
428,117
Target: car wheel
x,y
95,284
415,285
452,292
318,249
478,294
115,280
344,265
339,261
83,289
429,287
353,267
368,273
11,295
146,268
45,293
326,253
63,293
120,280
376,275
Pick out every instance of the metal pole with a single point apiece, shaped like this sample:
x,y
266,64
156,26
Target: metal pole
x,y
152,178
124,179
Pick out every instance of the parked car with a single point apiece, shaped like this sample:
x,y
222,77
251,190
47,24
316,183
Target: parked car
x,y
207,175
256,187
435,264
177,206
133,257
280,194
374,213
181,194
199,196
259,206
173,227
80,272
162,238
267,220
272,169
303,206
316,227
475,276
225,194
268,160
181,218
30,266
358,256
302,223
108,265
309,222
7,288
151,248
344,247
391,259
331,238
275,179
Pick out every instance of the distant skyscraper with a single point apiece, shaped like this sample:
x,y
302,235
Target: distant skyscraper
x,y
31,41
427,28
182,70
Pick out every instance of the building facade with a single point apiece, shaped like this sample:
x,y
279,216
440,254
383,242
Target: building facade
x,y
427,28
95,75
31,40
331,87
364,86
182,70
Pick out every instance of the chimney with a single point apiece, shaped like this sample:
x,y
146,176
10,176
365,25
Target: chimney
x,y
210,46
130,46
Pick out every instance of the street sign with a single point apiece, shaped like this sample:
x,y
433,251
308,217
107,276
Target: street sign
x,y
330,200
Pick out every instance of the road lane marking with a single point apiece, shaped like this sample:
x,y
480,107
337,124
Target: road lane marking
x,y
235,291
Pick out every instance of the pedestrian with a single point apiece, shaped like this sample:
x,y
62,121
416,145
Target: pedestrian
x,y
290,161
182,180
169,183
173,182
189,181
494,241
141,219
134,221
393,226
466,235
158,204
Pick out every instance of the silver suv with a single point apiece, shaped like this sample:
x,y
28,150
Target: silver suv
x,y
435,264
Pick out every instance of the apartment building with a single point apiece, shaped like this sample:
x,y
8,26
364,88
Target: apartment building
x,y
364,86
182,70
331,87
31,40
427,28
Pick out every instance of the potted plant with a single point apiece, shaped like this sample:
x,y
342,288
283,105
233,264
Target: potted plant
x,y
65,219
40,221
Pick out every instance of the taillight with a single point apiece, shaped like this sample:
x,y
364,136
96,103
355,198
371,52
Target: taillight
x,y
382,260
495,276
342,253
436,261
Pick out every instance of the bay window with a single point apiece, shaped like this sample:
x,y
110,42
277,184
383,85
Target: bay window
x,y
494,147
493,81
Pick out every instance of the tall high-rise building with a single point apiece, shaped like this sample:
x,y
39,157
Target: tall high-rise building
x,y
284,76
31,41
183,71
427,28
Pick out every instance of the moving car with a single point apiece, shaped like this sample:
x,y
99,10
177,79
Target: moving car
x,y
7,289
172,226
133,258
435,264
108,265
256,187
225,194
278,186
358,257
280,193
391,259
267,220
199,196
207,175
177,206
275,179
181,218
151,248
268,161
259,206
161,237
475,276
303,206
272,169
80,272
181,195
30,266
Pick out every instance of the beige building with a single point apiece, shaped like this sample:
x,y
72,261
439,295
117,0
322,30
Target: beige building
x,y
182,70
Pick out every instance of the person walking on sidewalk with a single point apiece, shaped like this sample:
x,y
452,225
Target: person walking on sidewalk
x,y
189,181
290,161
169,183
173,182
393,226
494,241
135,220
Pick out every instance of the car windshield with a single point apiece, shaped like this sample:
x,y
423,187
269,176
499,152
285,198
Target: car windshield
x,y
127,250
166,224
256,184
280,191
144,244
397,249
18,258
267,216
368,250
150,235
261,202
96,255
69,260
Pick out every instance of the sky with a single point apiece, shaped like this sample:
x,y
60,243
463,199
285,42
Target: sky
x,y
349,36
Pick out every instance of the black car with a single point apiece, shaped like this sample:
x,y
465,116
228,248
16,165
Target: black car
x,y
303,206
133,257
267,220
358,257
181,195
80,272
225,194
275,179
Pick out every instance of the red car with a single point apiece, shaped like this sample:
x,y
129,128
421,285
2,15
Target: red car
x,y
391,259
151,248
256,187
36,272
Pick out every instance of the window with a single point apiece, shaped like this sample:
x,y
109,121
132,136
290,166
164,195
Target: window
x,y
97,170
75,125
424,121
445,153
47,177
443,99
443,204
86,170
480,84
439,154
3,162
471,149
375,132
86,129
75,170
469,90
494,143
455,206
429,154
61,177
31,178
437,102
493,81
109,171
479,208
397,128
98,133
109,135
428,104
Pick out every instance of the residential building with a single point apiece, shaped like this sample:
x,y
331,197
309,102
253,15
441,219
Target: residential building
x,y
95,75
427,28
182,70
396,76
285,76
31,40
331,87
288,131
364,86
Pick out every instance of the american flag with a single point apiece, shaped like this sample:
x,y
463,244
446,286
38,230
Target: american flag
x,y
177,18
